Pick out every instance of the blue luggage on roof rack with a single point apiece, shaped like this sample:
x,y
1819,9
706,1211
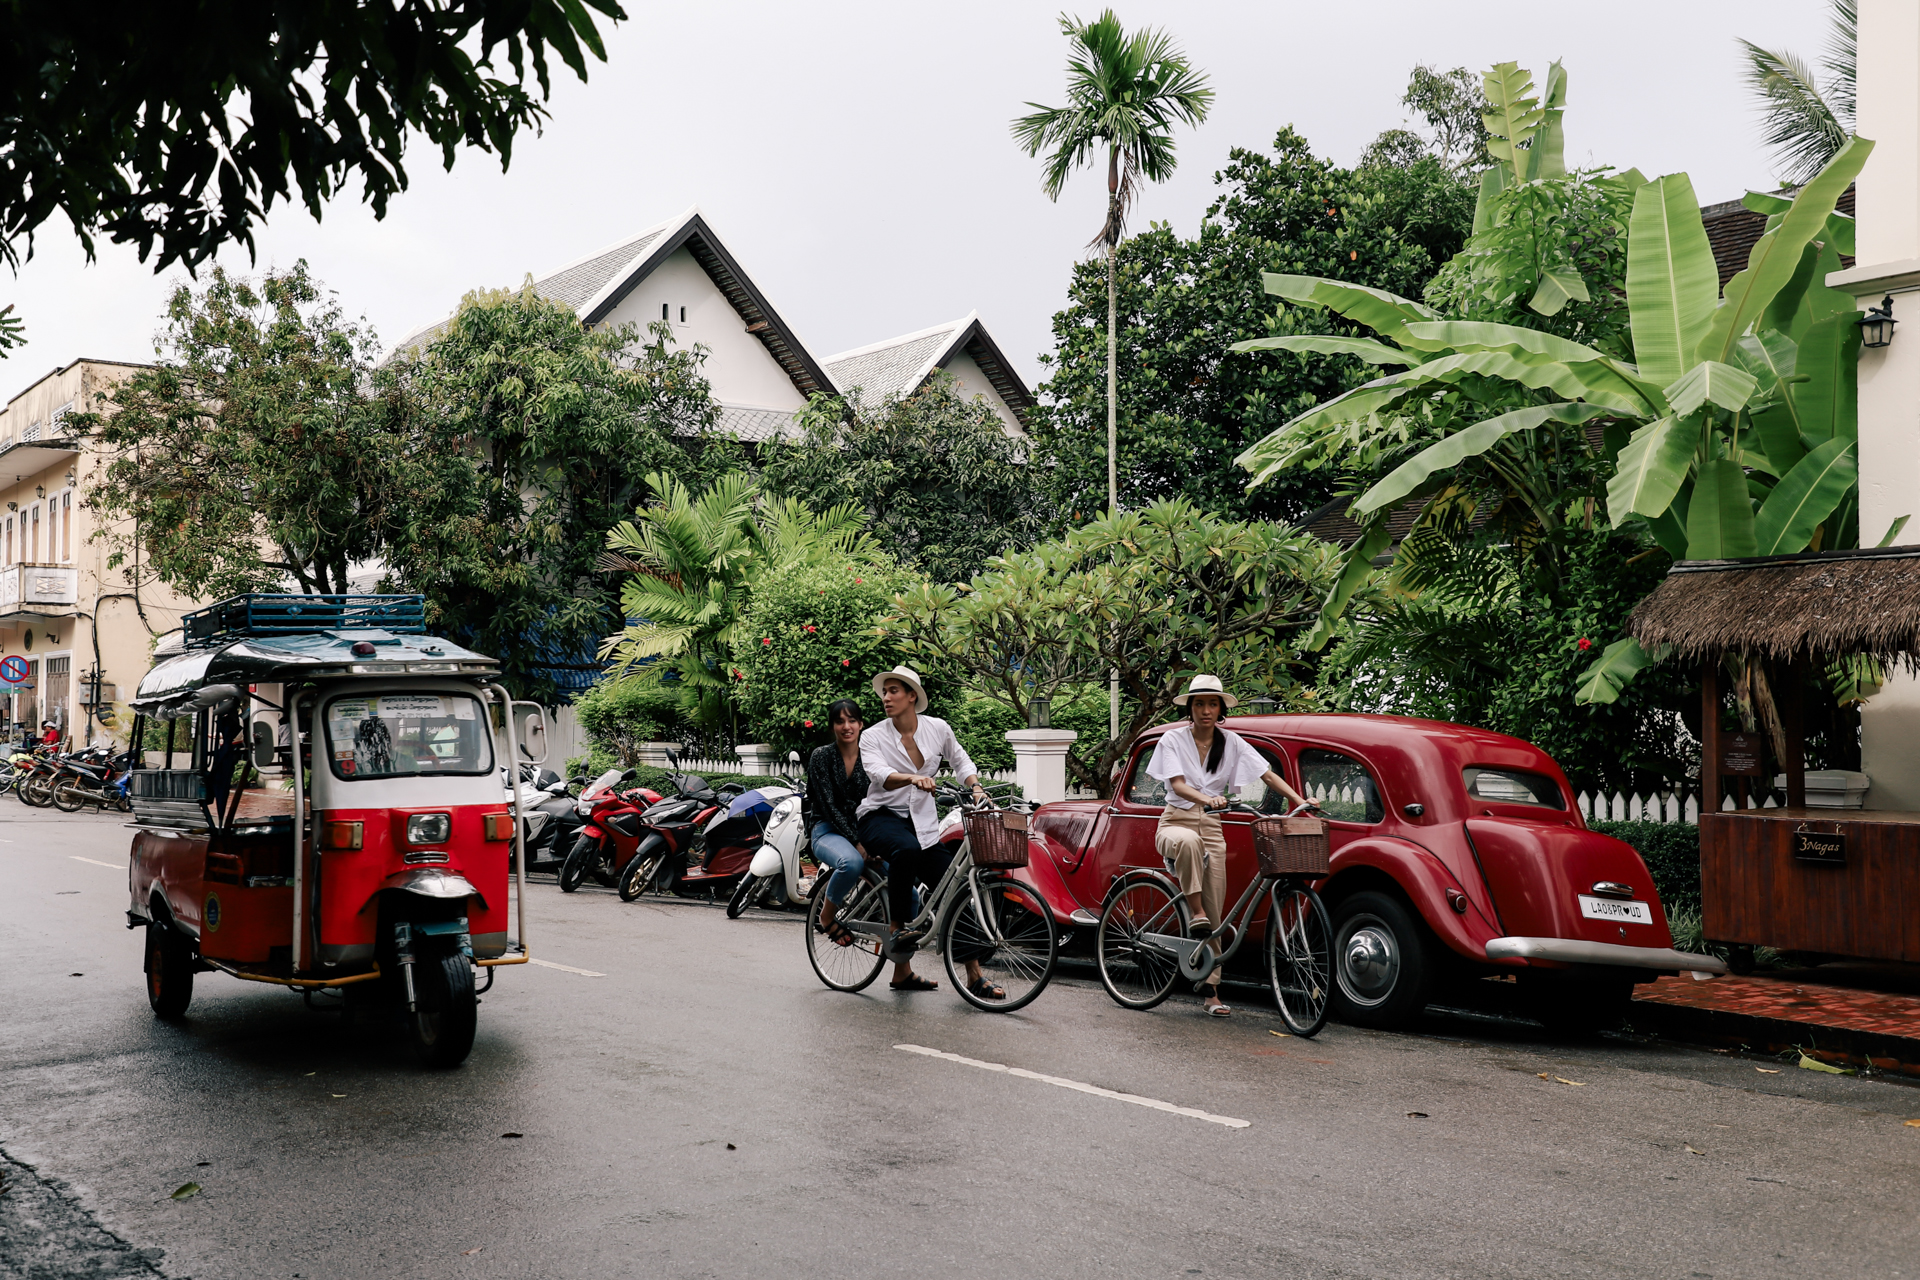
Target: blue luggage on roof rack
x,y
288,615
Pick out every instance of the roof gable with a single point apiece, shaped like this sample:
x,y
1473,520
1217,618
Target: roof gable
x,y
900,366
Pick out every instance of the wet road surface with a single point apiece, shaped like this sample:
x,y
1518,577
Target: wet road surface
x,y
706,1108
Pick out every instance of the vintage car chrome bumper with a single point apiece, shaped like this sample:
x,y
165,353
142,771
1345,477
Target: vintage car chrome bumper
x,y
1573,951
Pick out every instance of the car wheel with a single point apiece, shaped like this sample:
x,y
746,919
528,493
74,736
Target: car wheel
x,y
1382,961
169,971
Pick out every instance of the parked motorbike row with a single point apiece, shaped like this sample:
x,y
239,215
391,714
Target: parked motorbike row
x,y
68,781
690,841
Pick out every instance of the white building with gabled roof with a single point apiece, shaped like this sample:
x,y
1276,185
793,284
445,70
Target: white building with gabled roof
x,y
679,272
963,348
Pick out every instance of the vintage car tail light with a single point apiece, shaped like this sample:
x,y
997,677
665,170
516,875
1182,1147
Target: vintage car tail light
x,y
429,828
340,835
499,826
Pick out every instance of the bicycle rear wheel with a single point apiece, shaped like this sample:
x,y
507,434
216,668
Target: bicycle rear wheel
x,y
1136,973
1299,956
852,967
1015,944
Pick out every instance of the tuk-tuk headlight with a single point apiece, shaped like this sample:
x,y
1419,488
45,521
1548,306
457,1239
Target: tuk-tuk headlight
x,y
429,828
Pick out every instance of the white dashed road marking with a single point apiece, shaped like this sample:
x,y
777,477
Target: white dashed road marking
x,y
116,866
565,968
1094,1089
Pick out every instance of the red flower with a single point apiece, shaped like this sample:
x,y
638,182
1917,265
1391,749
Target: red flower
x,y
1585,644
810,627
766,640
808,723
846,662
857,581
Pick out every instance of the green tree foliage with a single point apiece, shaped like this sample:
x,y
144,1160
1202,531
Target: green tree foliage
x,y
558,430
13,331
263,448
1807,122
1156,595
693,562
618,716
1450,104
810,636
1187,402
941,483
176,127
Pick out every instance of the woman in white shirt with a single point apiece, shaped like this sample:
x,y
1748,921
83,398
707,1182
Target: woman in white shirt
x,y
1200,762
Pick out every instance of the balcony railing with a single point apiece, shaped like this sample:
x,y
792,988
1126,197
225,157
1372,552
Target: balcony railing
x,y
23,585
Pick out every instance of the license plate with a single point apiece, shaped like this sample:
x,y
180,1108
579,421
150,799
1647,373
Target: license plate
x,y
1613,909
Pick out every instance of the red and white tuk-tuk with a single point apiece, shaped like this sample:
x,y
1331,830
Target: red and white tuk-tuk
x,y
328,810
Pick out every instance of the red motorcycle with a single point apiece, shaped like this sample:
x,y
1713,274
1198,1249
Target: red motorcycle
x,y
612,832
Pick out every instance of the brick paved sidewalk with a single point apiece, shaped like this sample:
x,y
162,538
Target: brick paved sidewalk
x,y
1864,1014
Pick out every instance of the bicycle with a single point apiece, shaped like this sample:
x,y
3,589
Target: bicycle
x,y
1143,948
978,912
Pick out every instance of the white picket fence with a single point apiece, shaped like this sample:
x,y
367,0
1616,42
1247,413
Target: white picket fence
x,y
791,769
1661,807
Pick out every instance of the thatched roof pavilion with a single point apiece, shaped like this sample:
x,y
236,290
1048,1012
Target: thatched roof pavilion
x,y
1815,607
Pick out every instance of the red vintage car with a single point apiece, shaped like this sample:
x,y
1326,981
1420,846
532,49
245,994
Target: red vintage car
x,y
1457,853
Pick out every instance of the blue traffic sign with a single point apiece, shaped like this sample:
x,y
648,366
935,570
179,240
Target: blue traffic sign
x,y
13,670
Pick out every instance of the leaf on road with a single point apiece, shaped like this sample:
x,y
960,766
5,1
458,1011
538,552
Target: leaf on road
x,y
186,1191
1814,1064
1283,1035
339,1095
1692,1151
312,1073
1578,1084
513,1135
468,1253
1768,1071
1417,1115
1913,1124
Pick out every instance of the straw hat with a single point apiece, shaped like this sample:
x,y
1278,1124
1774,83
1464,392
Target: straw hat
x,y
1207,685
906,676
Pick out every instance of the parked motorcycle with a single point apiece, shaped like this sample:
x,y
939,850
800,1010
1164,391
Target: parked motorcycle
x,y
611,832
674,836
774,876
550,815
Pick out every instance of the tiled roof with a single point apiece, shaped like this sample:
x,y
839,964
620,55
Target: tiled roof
x,y
579,283
895,367
1732,229
747,423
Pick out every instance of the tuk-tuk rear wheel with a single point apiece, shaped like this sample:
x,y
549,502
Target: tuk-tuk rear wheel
x,y
442,1027
169,971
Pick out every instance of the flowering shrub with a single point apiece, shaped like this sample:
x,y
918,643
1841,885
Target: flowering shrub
x,y
811,640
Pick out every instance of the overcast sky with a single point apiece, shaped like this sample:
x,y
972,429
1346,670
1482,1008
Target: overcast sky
x,y
855,156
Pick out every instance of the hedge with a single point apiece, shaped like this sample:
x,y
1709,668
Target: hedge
x,y
1671,851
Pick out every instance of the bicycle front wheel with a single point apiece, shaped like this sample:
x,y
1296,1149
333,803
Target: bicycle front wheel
x,y
1008,931
1137,973
1299,956
854,966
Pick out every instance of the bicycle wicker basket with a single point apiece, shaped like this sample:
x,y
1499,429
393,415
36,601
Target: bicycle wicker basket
x,y
1292,846
998,838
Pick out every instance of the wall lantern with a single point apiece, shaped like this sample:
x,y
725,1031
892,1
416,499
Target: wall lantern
x,y
39,491
1262,705
1039,713
1876,327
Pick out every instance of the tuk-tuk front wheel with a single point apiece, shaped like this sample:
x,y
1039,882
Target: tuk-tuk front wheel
x,y
442,1025
169,971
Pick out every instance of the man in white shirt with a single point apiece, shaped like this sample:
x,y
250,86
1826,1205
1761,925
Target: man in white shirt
x,y
899,822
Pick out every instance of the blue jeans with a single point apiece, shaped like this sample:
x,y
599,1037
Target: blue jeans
x,y
835,852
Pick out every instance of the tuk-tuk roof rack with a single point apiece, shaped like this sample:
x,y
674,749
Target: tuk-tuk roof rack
x,y
262,615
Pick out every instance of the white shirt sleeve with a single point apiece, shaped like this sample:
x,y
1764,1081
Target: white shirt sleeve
x,y
1243,766
957,757
1174,756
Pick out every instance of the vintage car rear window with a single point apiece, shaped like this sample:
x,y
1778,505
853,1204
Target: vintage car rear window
x,y
398,735
1513,786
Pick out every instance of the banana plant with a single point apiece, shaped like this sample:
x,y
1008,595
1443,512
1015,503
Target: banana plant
x,y
1733,430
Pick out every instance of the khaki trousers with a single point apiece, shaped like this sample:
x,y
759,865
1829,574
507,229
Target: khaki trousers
x,y
1193,839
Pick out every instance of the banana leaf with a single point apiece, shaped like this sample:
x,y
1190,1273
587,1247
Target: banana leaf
x,y
1711,382
1720,515
1511,116
1779,438
1492,182
1776,255
1461,445
1804,498
1669,528
1558,287
1326,344
1826,405
1672,282
1839,229
1547,154
1385,313
1474,335
1651,470
1893,531
1618,664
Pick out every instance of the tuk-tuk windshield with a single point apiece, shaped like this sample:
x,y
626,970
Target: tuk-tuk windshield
x,y
390,735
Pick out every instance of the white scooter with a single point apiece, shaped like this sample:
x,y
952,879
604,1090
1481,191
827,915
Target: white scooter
x,y
774,875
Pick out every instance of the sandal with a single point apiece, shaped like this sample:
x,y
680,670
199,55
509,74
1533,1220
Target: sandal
x,y
986,990
838,934
1221,1010
1199,927
913,982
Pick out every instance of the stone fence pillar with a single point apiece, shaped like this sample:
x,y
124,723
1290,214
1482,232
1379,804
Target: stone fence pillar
x,y
1040,762
654,754
757,759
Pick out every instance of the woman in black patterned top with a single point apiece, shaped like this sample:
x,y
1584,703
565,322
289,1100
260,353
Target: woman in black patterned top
x,y
836,783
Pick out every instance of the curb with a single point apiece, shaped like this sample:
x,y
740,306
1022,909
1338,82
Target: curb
x,y
1897,1055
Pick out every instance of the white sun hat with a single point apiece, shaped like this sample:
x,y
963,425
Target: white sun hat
x,y
1206,685
907,676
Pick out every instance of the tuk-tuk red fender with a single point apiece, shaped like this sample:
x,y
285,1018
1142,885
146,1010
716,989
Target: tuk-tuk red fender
x,y
1424,879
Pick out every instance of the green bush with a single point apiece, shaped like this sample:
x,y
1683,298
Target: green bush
x,y
809,638
619,715
1671,851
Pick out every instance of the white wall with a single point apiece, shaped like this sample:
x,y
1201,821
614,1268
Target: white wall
x,y
739,365
1888,240
973,382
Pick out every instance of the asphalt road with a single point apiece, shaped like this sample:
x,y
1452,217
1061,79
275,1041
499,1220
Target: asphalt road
x,y
706,1108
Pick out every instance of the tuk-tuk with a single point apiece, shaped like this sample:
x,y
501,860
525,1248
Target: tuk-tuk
x,y
324,808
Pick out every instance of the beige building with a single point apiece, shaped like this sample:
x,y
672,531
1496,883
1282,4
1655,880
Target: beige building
x,y
71,621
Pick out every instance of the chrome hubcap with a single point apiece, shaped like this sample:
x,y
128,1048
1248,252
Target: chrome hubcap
x,y
1369,962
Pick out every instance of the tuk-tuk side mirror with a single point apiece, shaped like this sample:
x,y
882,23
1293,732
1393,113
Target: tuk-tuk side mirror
x,y
263,745
532,731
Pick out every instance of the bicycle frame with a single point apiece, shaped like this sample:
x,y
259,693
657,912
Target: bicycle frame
x,y
943,897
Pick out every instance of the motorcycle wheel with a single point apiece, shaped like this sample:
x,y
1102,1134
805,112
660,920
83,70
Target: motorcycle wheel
x,y
442,1028
574,869
638,877
69,798
743,895
35,791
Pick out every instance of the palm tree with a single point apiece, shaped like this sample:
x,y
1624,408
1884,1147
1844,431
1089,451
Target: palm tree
x,y
1806,122
1124,93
